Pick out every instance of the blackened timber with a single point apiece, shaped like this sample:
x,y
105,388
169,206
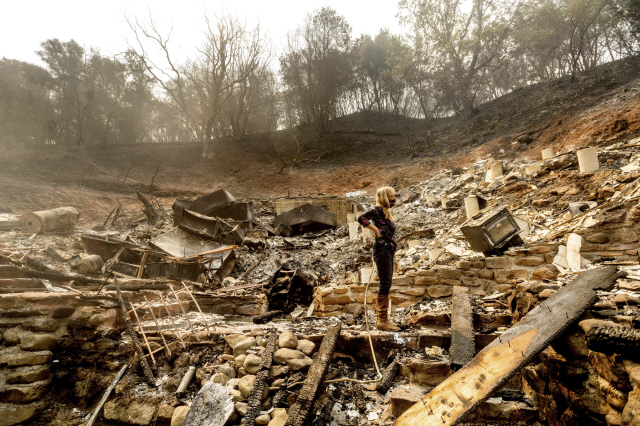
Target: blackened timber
x,y
265,318
212,406
388,375
8,271
150,211
463,346
299,411
255,396
492,367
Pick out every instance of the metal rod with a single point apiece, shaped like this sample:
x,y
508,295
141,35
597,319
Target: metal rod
x,y
184,312
198,306
157,325
172,322
144,336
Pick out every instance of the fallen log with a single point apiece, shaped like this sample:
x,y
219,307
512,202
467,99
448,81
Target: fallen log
x,y
463,346
212,406
299,411
48,220
448,402
255,396
388,375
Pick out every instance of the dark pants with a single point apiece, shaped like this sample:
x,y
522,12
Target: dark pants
x,y
383,256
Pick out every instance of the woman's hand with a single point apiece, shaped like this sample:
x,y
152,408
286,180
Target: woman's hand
x,y
378,234
395,263
375,230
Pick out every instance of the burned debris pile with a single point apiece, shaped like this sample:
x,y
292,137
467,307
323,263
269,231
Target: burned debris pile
x,y
517,296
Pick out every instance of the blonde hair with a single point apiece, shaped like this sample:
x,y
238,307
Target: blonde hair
x,y
382,200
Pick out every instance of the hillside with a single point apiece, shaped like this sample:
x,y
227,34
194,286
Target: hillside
x,y
365,150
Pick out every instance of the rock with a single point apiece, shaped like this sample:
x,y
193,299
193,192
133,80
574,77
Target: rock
x,y
241,408
233,383
236,394
307,347
631,411
545,272
241,372
38,342
277,383
281,356
625,299
239,360
220,378
438,291
228,370
263,419
11,338
279,417
17,414
425,281
485,274
246,384
530,261
241,347
179,415
172,384
611,369
598,238
278,370
134,414
252,364
404,398
165,413
227,358
545,294
28,376
299,364
625,236
448,273
288,340
513,275
48,325
497,262
25,358
21,394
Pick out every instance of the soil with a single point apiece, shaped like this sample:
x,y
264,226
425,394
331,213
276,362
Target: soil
x,y
365,150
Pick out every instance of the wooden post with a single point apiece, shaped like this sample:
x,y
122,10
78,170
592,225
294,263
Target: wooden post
x,y
388,375
142,263
463,347
299,411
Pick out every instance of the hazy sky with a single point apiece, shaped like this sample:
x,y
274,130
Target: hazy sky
x,y
101,24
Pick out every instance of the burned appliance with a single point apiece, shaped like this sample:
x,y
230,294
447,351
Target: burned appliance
x,y
493,232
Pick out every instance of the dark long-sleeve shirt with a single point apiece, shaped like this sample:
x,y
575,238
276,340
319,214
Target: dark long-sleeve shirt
x,y
385,226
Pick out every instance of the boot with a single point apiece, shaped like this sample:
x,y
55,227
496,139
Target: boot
x,y
383,322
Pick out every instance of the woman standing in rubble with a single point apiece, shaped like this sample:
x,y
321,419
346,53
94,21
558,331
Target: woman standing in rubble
x,y
380,221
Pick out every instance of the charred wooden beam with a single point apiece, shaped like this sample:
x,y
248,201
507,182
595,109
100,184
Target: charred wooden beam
x,y
388,375
9,271
299,411
255,397
448,402
265,318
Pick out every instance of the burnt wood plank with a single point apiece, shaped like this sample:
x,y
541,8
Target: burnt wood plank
x,y
299,411
494,365
463,346
255,396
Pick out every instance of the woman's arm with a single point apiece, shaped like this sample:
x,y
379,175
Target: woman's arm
x,y
375,230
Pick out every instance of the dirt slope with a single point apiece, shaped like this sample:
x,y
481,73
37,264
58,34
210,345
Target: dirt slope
x,y
364,152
